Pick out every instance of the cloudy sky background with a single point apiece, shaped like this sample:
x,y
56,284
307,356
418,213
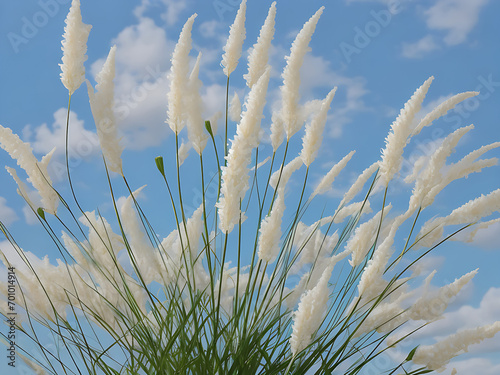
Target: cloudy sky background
x,y
376,52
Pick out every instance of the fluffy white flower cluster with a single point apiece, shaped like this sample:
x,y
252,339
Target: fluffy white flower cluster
x,y
74,46
37,171
235,175
102,104
436,357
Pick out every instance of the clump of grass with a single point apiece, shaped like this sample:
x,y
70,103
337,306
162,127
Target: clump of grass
x,y
314,298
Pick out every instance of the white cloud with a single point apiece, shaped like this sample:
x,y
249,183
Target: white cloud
x,y
465,317
14,258
174,9
213,30
316,73
83,143
171,13
481,366
455,17
487,238
142,59
7,214
420,48
214,98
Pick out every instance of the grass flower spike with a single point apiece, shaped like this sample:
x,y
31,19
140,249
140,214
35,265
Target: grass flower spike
x,y
37,171
291,76
401,130
234,44
437,356
102,104
310,313
179,77
259,55
74,47
235,176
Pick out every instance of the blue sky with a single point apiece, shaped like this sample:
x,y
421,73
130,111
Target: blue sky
x,y
376,52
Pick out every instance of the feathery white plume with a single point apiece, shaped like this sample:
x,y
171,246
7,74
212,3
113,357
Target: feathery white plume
x,y
436,357
430,180
101,104
326,182
21,187
37,172
364,237
431,306
277,130
372,282
184,151
270,231
145,255
291,76
214,121
400,132
442,109
235,175
234,44
470,212
309,315
282,175
194,108
74,47
311,141
358,184
179,76
235,108
361,208
259,55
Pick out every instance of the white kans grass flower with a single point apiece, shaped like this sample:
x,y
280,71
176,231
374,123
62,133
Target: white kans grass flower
x,y
432,305
359,183
235,108
442,109
259,55
184,151
429,182
37,172
102,104
471,235
310,313
372,283
74,47
401,130
235,175
361,208
179,77
145,254
277,130
290,110
234,44
311,141
21,188
280,177
364,237
270,229
194,107
326,182
437,356
470,212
